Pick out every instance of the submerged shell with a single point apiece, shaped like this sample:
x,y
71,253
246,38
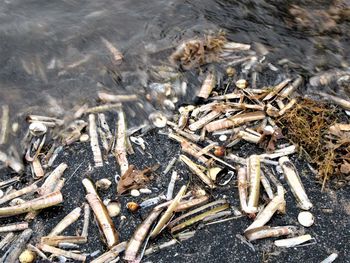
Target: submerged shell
x,y
230,71
113,209
37,128
241,84
158,119
306,219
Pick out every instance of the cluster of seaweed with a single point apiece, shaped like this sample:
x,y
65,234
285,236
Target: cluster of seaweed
x,y
312,125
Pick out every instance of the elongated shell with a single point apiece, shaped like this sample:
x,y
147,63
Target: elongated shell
x,y
253,170
295,183
292,242
207,87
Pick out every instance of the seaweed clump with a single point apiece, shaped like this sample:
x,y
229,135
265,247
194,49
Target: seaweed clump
x,y
196,52
312,125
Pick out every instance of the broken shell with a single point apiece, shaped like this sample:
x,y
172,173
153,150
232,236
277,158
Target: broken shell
x,y
158,119
132,206
230,71
169,105
103,184
113,209
306,219
135,192
37,128
213,172
1,193
84,137
199,192
219,151
138,141
27,256
241,83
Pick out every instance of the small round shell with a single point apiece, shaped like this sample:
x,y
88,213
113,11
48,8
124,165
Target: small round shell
x,y
113,209
37,128
27,256
132,206
158,119
230,71
84,137
219,151
241,84
103,184
222,138
306,219
135,192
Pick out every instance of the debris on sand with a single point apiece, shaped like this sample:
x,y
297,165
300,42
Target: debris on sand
x,y
232,108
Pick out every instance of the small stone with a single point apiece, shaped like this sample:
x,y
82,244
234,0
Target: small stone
x,y
306,219
145,191
84,137
222,138
135,192
27,256
241,84
103,184
113,209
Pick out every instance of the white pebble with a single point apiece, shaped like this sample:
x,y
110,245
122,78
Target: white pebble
x,y
306,219
135,192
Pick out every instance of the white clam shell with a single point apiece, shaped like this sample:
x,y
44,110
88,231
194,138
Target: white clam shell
x,y
113,209
135,192
84,137
306,219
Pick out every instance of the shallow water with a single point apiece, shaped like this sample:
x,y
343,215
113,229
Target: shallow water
x,y
40,41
